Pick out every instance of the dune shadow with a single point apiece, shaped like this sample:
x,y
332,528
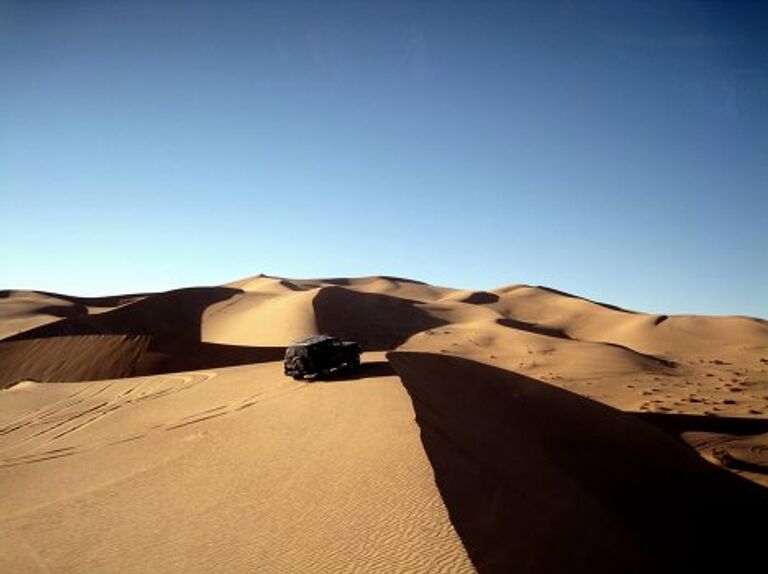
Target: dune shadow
x,y
174,315
99,357
291,285
480,298
175,356
378,322
104,301
653,358
540,480
736,443
733,461
600,303
346,282
64,311
533,328
676,424
560,334
158,334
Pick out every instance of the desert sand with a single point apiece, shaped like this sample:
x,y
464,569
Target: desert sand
x,y
519,429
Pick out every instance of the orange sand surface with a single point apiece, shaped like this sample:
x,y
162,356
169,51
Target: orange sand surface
x,y
519,429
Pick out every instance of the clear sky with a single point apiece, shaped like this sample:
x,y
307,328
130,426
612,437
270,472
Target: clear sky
x,y
616,150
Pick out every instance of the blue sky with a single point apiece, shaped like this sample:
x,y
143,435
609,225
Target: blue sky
x,y
615,150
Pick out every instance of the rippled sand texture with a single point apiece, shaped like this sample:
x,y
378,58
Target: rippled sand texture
x,y
238,470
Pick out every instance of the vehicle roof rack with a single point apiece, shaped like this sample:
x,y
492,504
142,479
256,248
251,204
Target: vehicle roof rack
x,y
311,340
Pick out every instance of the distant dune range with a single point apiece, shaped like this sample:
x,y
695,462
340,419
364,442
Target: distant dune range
x,y
551,431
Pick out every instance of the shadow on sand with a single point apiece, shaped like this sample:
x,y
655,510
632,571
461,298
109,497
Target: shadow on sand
x,y
676,425
367,370
378,322
175,315
160,333
540,480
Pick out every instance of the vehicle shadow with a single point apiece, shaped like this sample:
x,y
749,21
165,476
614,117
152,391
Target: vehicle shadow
x,y
367,370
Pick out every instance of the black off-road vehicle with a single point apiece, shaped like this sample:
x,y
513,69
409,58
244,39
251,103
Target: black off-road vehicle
x,y
320,355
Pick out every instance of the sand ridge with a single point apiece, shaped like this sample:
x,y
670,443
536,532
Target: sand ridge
x,y
24,310
592,490
159,427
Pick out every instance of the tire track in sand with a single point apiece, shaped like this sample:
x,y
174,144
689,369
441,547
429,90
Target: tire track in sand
x,y
37,430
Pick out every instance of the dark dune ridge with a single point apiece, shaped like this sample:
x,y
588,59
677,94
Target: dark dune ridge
x,y
592,301
677,424
174,315
540,480
95,357
22,310
72,358
377,321
105,301
158,334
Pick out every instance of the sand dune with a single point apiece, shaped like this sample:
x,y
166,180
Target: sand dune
x,y
671,336
378,321
94,357
381,285
174,315
157,333
261,318
70,358
556,429
522,346
238,469
609,492
379,312
24,310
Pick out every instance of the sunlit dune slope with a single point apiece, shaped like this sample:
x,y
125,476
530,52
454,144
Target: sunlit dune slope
x,y
669,336
261,318
239,470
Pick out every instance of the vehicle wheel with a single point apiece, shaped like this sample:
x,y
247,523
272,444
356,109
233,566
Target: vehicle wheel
x,y
298,377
